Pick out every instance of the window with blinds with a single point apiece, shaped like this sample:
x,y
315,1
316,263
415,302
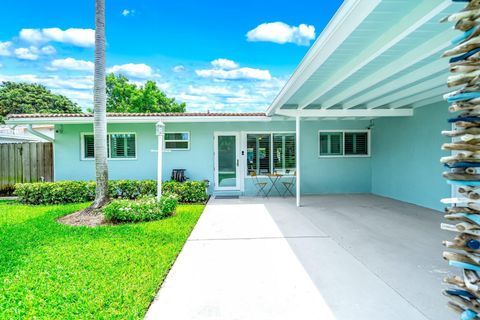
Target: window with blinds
x,y
177,141
284,153
343,143
119,145
270,153
258,153
88,147
122,145
356,143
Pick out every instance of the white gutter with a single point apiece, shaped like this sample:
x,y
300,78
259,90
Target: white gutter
x,y
39,134
348,17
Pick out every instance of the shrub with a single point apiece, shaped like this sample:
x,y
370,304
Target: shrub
x,y
80,191
188,191
84,191
55,192
143,209
168,203
132,189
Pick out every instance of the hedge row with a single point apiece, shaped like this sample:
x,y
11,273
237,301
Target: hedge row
x,y
84,191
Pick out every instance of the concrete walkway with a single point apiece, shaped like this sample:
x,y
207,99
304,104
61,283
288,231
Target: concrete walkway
x,y
337,257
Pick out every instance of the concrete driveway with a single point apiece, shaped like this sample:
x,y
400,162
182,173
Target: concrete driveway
x,y
337,257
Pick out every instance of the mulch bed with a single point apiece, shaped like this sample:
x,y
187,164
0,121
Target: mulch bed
x,y
85,218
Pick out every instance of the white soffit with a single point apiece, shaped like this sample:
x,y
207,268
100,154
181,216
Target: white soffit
x,y
389,59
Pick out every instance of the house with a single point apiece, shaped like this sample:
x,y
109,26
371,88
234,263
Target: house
x,y
19,134
362,113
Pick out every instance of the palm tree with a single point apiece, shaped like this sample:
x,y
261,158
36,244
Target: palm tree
x,y
100,109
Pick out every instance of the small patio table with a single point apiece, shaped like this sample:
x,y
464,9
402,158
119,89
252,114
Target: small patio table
x,y
274,178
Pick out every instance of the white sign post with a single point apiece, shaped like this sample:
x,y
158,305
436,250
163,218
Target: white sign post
x,y
160,130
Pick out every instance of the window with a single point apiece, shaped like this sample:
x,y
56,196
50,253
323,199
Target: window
x,y
356,143
119,146
331,143
343,143
122,145
177,141
271,152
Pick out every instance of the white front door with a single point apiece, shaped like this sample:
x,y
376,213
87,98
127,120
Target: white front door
x,y
227,161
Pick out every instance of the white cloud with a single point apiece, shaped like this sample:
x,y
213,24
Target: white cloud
x,y
229,95
33,53
32,35
210,90
79,89
53,82
26,54
82,97
279,32
5,48
127,12
72,64
235,74
179,68
48,50
225,64
139,70
75,36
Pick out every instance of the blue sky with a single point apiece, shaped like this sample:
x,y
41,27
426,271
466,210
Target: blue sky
x,y
214,55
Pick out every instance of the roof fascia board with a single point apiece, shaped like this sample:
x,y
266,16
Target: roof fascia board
x,y
346,20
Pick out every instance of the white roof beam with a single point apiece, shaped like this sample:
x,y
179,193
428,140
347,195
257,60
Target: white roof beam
x,y
430,48
403,93
434,92
425,12
426,102
343,113
348,17
419,74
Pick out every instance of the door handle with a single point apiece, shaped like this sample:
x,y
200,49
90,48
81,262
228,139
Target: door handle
x,y
238,162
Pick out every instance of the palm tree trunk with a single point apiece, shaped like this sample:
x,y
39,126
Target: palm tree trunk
x,y
100,106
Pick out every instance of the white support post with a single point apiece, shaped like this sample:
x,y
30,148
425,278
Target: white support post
x,y
160,129
297,147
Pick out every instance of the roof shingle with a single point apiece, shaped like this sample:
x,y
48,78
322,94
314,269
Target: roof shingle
x,y
171,114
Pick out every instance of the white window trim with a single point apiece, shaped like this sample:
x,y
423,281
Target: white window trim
x,y
177,149
82,147
244,149
369,144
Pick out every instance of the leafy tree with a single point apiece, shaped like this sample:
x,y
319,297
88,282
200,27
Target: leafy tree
x,y
125,96
18,98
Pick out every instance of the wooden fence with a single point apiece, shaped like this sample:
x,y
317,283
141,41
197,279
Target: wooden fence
x,y
25,162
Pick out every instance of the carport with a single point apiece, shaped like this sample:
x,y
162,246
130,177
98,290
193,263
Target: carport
x,y
337,257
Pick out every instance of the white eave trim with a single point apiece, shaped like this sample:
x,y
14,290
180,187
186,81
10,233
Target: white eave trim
x,y
185,119
350,14
347,113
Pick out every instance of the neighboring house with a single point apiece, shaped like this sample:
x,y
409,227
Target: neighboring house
x,y
22,133
361,114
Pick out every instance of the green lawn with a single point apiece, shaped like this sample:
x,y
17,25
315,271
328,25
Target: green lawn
x,y
52,271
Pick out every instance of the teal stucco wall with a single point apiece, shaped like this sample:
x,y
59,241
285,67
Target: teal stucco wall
x,y
319,175
404,162
406,154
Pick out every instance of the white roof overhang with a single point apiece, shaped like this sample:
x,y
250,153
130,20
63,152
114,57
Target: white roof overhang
x,y
136,119
379,55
